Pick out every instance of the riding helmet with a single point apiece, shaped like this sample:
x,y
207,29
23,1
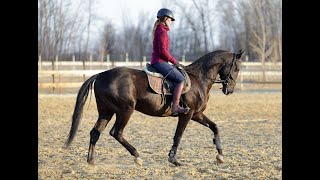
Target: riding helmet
x,y
165,12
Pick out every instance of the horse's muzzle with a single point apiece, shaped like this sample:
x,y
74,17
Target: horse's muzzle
x,y
226,91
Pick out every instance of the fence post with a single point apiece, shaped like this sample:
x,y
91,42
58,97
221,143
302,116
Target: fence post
x,y
73,61
108,60
144,60
60,88
57,66
127,57
90,59
84,68
53,68
184,57
40,63
101,61
247,59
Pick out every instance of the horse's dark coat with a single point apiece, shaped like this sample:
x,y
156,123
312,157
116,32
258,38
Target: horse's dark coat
x,y
122,90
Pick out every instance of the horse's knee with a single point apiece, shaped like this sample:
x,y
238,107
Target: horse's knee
x,y
117,136
94,136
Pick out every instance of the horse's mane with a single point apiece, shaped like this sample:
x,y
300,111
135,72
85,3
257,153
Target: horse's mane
x,y
199,67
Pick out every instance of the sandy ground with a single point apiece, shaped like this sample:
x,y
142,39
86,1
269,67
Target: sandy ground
x,y
250,128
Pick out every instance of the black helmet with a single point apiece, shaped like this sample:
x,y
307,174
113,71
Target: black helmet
x,y
165,12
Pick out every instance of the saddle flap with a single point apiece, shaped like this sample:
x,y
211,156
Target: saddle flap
x,y
156,81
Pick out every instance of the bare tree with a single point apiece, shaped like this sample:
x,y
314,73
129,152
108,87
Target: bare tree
x,y
107,41
201,7
57,27
243,24
197,20
255,25
188,16
90,7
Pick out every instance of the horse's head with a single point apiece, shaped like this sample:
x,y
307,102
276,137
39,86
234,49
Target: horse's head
x,y
229,72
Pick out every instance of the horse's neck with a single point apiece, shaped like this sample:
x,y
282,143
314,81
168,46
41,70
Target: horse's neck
x,y
205,77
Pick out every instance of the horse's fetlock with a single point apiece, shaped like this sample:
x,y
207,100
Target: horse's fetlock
x,y
172,152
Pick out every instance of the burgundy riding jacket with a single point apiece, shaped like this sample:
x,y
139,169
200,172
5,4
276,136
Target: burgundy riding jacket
x,y
161,46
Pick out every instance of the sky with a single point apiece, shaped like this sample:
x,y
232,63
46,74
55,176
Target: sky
x,y
114,9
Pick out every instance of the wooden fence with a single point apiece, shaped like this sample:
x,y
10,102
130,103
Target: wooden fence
x,y
71,74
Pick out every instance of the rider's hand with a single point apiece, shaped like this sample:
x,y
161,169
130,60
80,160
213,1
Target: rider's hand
x,y
177,64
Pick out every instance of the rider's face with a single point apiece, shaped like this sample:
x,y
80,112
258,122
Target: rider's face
x,y
168,21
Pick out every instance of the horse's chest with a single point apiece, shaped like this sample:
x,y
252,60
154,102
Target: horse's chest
x,y
203,100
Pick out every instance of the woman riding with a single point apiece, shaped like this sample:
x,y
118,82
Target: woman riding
x,y
161,57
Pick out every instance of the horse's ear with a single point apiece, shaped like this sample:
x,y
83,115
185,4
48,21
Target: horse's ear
x,y
239,54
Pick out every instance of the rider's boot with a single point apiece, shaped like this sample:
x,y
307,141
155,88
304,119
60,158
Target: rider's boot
x,y
176,108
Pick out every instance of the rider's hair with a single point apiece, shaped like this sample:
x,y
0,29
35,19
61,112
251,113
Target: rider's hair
x,y
158,21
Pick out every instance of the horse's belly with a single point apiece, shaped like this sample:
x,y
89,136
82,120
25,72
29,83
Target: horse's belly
x,y
154,106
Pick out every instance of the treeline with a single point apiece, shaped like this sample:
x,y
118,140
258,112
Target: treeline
x,y
203,26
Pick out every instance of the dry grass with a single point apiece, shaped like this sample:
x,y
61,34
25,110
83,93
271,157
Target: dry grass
x,y
250,126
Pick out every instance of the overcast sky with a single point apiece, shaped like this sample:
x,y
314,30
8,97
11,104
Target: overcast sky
x,y
114,9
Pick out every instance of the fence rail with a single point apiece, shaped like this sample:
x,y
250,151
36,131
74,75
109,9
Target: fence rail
x,y
71,74
138,64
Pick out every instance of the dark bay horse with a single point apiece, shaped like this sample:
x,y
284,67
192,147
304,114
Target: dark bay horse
x,y
122,90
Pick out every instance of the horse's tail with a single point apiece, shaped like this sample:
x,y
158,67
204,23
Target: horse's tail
x,y
77,113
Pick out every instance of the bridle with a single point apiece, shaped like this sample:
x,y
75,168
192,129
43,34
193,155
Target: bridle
x,y
223,81
229,76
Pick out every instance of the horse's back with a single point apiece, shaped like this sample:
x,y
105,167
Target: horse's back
x,y
117,76
120,82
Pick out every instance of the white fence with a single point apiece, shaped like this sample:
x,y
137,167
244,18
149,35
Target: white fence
x,y
71,74
84,65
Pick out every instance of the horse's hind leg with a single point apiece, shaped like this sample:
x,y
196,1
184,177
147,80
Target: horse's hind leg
x,y
95,134
117,130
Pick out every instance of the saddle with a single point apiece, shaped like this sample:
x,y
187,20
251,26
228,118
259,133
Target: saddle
x,y
164,86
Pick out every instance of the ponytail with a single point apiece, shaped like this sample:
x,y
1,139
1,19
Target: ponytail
x,y
158,21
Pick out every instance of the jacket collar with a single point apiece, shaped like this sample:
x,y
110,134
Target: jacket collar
x,y
164,27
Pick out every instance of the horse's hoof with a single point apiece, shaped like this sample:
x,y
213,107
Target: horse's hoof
x,y
91,162
174,161
138,161
171,159
219,158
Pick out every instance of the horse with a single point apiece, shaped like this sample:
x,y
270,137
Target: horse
x,y
123,90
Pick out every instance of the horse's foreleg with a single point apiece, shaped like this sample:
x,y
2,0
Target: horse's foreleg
x,y
116,132
182,124
95,134
202,119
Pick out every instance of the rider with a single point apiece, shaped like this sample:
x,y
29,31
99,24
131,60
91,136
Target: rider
x,y
161,57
